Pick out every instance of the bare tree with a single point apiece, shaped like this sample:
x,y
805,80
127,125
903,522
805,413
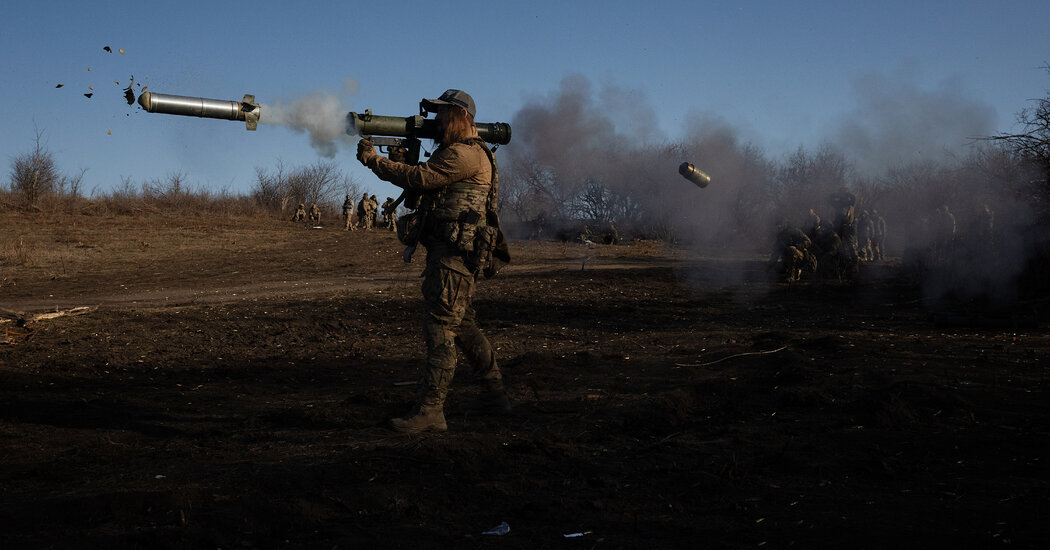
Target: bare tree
x,y
1032,143
806,178
35,173
318,183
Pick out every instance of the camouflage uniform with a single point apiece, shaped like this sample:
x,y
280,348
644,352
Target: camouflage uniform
x,y
826,246
315,213
300,213
348,213
943,226
845,225
388,213
865,231
364,218
613,235
459,187
791,254
878,241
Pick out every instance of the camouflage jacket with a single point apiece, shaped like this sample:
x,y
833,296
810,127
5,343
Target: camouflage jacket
x,y
457,176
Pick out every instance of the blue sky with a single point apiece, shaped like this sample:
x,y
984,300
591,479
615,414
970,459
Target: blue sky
x,y
784,74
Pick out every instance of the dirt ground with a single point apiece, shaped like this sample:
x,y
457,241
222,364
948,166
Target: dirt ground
x,y
230,386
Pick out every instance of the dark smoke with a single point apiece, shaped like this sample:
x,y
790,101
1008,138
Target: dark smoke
x,y
903,151
896,123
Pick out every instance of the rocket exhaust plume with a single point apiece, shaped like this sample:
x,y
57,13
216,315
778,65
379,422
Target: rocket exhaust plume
x,y
322,115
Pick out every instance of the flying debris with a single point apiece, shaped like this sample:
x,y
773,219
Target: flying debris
x,y
108,49
59,85
88,95
91,87
121,51
129,94
89,68
109,132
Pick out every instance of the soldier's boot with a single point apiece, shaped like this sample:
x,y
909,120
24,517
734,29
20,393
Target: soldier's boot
x,y
428,415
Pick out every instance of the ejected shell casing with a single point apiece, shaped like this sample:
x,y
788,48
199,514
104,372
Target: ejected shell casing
x,y
694,174
246,109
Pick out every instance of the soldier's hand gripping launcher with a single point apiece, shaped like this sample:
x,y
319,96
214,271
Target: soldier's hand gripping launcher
x,y
246,109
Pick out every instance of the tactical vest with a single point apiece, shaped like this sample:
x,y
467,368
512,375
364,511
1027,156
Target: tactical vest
x,y
463,215
454,202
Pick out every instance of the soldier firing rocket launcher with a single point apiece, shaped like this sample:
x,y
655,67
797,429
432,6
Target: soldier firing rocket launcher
x,y
388,132
396,136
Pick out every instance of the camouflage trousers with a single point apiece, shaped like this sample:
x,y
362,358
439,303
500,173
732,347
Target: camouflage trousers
x,y
448,323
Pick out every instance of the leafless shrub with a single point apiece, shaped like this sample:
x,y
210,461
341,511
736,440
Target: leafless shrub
x,y
16,252
35,173
281,189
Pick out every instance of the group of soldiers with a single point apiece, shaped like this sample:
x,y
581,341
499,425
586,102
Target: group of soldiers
x,y
945,242
830,251
300,213
367,210
611,235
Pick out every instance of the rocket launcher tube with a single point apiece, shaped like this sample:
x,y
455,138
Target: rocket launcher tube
x,y
367,125
246,109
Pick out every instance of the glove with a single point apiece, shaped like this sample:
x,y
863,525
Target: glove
x,y
366,153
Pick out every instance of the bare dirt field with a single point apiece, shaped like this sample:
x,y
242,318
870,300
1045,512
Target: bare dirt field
x,y
230,383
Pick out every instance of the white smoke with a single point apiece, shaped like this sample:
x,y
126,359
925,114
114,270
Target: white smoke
x,y
322,115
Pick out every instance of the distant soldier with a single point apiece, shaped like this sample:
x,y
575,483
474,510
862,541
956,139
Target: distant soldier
x,y
388,213
943,232
791,255
865,232
878,238
363,213
315,213
826,246
538,224
300,213
375,211
348,213
586,235
612,236
843,203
